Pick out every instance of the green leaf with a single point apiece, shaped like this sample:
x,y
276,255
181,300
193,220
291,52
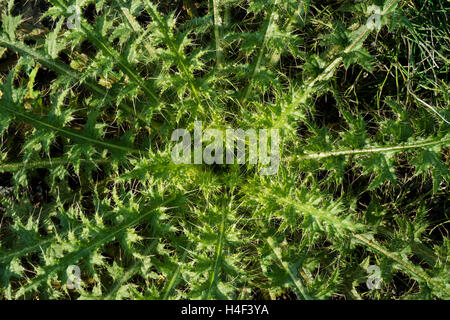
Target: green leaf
x,y
10,24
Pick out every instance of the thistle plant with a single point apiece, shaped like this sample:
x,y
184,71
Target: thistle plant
x,y
358,91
